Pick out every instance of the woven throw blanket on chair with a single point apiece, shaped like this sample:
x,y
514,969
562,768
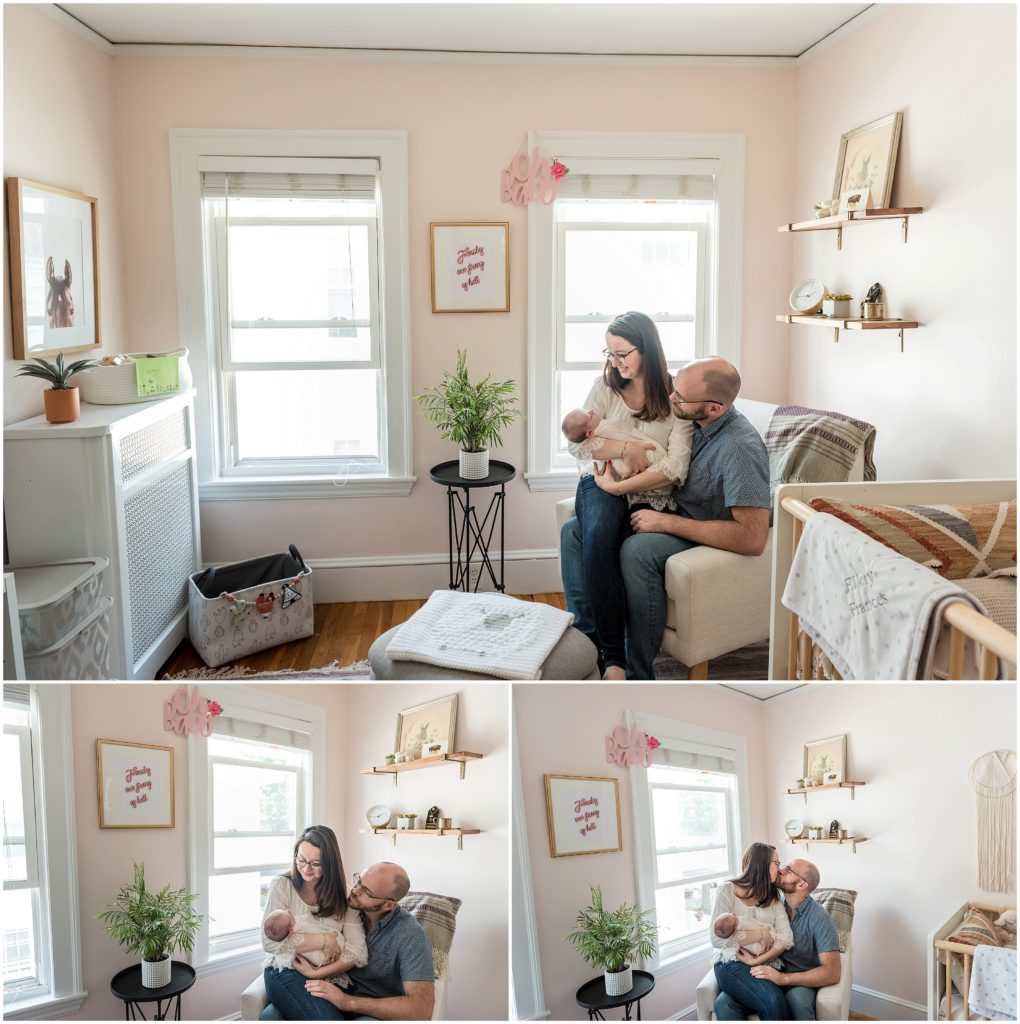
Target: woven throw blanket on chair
x,y
813,446
438,917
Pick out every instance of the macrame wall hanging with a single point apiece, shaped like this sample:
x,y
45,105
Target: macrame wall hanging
x,y
993,776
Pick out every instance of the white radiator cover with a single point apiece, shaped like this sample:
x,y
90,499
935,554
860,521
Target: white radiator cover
x,y
119,482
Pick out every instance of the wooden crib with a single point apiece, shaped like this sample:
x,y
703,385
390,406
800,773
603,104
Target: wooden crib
x,y
790,649
940,957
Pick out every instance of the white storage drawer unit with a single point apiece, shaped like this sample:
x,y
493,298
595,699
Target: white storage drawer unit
x,y
120,482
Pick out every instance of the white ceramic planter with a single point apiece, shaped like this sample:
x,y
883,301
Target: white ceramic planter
x,y
619,983
836,307
474,465
156,973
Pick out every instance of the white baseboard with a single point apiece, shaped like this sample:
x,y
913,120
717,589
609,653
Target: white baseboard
x,y
231,1016
691,1013
881,1006
406,577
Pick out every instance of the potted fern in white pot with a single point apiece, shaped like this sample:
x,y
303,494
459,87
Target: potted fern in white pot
x,y
613,939
152,924
471,415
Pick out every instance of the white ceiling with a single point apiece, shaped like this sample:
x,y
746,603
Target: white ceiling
x,y
763,691
659,29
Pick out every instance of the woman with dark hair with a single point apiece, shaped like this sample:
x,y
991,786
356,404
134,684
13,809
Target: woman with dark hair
x,y
633,390
753,895
314,890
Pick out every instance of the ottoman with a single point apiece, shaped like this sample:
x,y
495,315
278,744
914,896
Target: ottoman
x,y
573,657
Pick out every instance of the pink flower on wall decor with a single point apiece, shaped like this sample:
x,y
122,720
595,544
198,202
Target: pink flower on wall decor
x,y
188,712
629,747
214,708
558,170
652,742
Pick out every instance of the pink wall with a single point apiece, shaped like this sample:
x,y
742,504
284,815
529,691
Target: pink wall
x,y
561,729
59,129
913,746
951,69
478,874
134,712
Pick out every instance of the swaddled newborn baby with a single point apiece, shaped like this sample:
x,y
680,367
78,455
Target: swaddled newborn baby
x,y
280,923
752,935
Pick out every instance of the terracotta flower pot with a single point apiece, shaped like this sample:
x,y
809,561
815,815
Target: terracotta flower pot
x,y
61,406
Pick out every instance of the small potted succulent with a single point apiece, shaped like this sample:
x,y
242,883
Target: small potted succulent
x,y
60,401
836,305
471,415
390,758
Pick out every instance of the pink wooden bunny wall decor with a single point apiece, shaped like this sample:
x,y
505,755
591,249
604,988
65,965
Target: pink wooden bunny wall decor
x,y
629,746
186,713
526,181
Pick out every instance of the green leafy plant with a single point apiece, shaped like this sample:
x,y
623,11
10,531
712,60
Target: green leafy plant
x,y
56,374
611,939
473,416
842,297
153,924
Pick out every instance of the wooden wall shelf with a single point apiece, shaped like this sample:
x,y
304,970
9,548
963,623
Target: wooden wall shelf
x,y
833,785
840,220
851,841
436,833
837,323
461,757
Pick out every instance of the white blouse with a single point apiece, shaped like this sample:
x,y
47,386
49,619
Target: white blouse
x,y
283,896
675,435
726,902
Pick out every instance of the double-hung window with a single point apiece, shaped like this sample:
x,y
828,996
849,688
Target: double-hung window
x,y
690,816
298,308
255,787
42,969
642,223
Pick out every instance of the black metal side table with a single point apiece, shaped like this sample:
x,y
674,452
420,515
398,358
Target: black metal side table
x,y
127,985
592,996
470,536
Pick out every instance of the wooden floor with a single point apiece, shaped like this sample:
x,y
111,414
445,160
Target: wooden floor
x,y
343,634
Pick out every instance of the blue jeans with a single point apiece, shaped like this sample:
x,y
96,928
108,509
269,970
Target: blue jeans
x,y
590,566
747,995
643,560
289,998
801,1001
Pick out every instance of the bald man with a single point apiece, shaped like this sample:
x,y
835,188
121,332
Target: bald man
x,y
813,960
398,982
724,503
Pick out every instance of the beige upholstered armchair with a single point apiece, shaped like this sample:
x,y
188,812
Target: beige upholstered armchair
x,y
436,914
717,601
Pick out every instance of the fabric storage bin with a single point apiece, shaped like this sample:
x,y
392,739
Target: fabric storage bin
x,y
84,653
54,598
238,609
118,385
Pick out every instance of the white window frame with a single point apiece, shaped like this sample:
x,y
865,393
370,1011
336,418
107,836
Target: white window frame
x,y
57,858
628,152
190,151
692,737
254,706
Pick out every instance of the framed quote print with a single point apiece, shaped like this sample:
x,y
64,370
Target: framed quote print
x,y
136,785
583,812
470,267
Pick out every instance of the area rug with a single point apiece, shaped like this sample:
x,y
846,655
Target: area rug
x,y
750,662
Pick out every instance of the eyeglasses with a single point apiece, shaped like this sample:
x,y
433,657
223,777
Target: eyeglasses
x,y
786,867
357,884
618,357
675,395
312,865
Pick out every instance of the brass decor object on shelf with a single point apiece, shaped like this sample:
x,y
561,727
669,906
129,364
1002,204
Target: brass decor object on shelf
x,y
462,757
838,221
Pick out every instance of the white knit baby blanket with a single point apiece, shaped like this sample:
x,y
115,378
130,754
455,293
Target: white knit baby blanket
x,y
491,634
874,613
993,983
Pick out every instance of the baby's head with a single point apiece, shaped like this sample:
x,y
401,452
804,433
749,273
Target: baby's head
x,y
278,925
726,925
578,424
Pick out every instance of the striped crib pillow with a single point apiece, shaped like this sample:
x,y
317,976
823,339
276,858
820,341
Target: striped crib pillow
x,y
957,541
839,904
975,930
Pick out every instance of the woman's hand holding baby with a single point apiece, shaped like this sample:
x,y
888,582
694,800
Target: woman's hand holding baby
x,y
636,456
